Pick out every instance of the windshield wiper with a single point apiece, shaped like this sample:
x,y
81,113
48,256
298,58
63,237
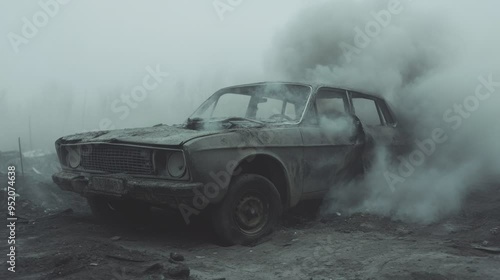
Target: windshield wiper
x,y
237,119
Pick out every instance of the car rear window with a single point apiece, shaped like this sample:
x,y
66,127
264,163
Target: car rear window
x,y
366,110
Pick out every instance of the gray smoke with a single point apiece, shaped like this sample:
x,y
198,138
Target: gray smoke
x,y
425,57
438,64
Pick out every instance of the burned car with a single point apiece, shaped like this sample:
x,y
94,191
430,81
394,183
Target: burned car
x,y
244,156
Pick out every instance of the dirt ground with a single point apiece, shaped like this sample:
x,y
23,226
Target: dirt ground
x,y
57,238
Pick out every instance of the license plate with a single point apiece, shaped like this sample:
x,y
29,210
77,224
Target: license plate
x,y
108,185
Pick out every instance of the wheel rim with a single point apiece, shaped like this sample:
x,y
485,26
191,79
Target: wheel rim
x,y
251,212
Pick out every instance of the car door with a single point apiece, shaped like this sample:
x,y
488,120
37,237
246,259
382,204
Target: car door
x,y
329,135
378,123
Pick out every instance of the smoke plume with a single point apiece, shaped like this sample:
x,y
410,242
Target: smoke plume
x,y
439,67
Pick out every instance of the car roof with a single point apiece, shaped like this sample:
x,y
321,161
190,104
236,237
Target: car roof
x,y
314,86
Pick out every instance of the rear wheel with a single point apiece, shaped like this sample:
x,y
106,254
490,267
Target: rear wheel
x,y
249,211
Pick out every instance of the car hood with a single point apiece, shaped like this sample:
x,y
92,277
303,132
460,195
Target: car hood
x,y
159,135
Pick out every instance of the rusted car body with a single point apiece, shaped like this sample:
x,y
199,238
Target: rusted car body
x,y
248,153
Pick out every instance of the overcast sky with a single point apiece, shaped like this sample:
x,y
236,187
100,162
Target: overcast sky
x,y
92,49
69,66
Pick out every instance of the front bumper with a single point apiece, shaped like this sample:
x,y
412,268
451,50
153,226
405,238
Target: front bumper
x,y
154,191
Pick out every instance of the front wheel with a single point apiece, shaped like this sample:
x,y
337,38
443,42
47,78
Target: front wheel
x,y
249,211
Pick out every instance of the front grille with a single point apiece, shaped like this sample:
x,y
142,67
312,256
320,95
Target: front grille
x,y
117,159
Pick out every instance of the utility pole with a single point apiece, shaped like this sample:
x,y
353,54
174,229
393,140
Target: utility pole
x,y
31,137
21,155
84,110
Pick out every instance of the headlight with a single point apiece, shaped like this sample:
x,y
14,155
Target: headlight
x,y
176,166
74,157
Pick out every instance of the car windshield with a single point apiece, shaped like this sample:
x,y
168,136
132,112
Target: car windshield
x,y
264,103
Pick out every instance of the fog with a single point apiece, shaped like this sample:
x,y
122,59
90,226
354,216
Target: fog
x,y
70,74
437,62
86,67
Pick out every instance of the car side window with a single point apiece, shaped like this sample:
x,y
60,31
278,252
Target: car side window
x,y
270,107
366,110
331,103
290,110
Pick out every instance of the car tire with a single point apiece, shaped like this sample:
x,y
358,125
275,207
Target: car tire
x,y
249,211
107,209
